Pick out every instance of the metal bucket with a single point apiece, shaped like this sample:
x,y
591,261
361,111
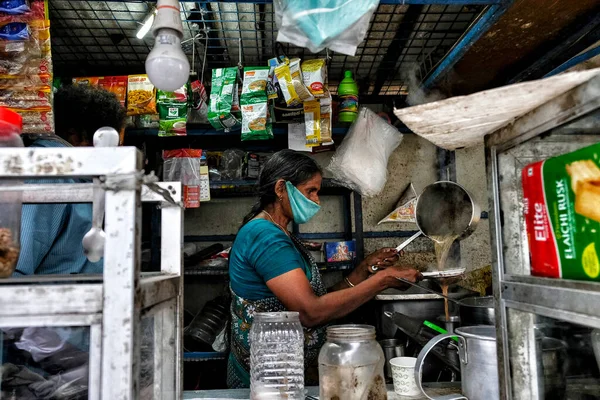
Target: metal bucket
x,y
445,208
478,363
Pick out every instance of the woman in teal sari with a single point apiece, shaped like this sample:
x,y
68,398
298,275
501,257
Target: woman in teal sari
x,y
272,271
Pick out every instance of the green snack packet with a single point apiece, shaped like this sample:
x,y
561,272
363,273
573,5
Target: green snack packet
x,y
172,119
223,109
172,112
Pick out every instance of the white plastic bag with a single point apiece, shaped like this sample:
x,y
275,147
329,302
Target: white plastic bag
x,y
360,163
340,25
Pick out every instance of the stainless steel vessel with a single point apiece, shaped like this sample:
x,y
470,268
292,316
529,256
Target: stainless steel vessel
x,y
478,363
477,311
392,348
446,208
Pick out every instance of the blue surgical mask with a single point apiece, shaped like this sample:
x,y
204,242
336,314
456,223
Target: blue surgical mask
x,y
303,209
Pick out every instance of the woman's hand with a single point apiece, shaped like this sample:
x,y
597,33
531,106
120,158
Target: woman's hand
x,y
390,277
381,259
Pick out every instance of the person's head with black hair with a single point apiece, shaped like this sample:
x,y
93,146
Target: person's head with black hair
x,y
79,110
285,166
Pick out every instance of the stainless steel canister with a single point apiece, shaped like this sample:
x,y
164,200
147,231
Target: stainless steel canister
x,y
392,348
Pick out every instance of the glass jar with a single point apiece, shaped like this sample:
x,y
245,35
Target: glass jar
x,y
277,356
351,364
11,126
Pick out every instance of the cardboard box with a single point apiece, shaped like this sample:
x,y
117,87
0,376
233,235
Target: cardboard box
x,y
562,213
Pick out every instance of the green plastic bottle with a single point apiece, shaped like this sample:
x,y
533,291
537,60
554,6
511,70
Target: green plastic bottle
x,y
348,93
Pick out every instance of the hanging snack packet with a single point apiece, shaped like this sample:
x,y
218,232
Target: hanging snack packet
x,y
326,134
14,7
314,75
405,208
298,82
255,124
223,108
172,112
272,82
254,120
255,82
141,95
288,90
14,31
312,123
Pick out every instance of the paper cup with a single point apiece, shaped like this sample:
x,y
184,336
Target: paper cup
x,y
403,374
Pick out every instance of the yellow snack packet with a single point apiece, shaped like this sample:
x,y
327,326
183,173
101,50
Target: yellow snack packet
x,y
286,85
312,123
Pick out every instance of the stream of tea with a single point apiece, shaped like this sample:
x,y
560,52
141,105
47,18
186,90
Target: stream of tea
x,y
442,250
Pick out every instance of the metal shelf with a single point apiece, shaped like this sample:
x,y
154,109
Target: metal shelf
x,y
207,130
242,188
551,129
199,356
336,266
206,271
215,271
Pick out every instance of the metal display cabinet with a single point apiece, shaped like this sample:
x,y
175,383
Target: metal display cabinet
x,y
529,309
114,307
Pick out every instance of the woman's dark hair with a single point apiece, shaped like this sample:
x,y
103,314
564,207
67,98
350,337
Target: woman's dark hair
x,y
82,109
288,165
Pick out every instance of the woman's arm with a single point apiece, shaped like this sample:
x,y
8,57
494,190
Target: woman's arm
x,y
382,258
294,291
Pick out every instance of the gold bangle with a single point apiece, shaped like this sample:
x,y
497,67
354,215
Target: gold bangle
x,y
350,284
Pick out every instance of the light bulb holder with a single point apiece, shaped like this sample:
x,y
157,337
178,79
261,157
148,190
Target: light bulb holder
x,y
168,16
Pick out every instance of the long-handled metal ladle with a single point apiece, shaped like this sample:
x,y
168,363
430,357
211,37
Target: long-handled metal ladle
x,y
93,241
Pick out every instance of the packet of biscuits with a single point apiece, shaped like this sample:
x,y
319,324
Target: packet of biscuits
x,y
256,124
314,75
561,198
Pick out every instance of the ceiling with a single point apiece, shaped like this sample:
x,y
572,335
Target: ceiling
x,y
528,41
404,42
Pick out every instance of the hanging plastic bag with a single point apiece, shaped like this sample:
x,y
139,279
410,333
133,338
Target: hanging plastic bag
x,y
198,107
340,25
360,162
183,165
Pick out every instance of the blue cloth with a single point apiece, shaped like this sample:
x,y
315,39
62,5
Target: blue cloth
x,y
261,252
51,234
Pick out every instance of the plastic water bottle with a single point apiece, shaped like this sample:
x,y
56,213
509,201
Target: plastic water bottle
x,y
277,357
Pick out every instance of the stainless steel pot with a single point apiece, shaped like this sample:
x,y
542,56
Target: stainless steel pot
x,y
446,208
477,311
478,363
554,362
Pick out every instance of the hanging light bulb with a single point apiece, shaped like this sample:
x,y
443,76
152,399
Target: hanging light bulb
x,y
167,66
